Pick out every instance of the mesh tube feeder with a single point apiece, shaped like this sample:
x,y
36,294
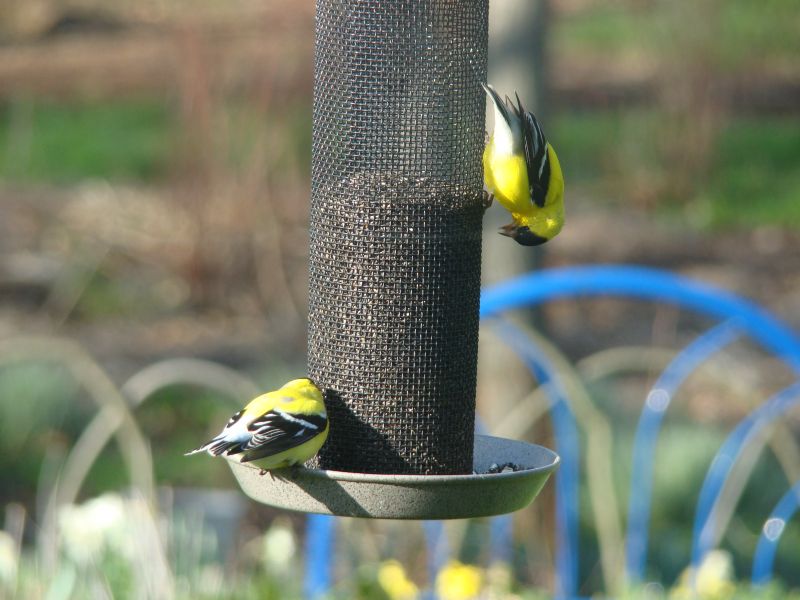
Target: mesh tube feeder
x,y
394,290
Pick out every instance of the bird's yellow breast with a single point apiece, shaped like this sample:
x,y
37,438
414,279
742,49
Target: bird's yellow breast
x,y
506,176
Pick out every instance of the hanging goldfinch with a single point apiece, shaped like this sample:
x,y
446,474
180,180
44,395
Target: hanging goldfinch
x,y
521,170
277,429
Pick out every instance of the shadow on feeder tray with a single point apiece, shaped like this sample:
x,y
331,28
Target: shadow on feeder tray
x,y
351,439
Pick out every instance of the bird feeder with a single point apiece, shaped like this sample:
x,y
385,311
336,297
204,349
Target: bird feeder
x,y
395,256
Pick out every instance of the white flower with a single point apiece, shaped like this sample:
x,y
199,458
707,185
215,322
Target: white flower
x,y
9,559
279,547
97,525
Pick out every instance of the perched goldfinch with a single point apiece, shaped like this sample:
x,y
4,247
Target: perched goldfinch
x,y
522,171
277,429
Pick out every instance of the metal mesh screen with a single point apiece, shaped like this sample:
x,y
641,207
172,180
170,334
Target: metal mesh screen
x,y
395,231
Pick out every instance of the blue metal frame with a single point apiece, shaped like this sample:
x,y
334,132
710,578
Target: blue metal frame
x,y
319,550
659,286
646,437
771,534
722,465
567,478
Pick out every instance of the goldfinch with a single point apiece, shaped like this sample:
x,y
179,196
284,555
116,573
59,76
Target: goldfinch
x,y
521,170
277,429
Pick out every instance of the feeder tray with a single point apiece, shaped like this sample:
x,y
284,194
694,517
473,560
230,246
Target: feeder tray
x,y
343,494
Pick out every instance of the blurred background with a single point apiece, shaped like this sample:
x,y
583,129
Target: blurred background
x,y
154,184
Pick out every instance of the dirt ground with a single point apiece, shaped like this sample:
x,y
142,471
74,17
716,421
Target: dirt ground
x,y
47,265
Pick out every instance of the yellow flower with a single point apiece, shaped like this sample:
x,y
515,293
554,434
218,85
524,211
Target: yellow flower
x,y
457,581
393,580
713,580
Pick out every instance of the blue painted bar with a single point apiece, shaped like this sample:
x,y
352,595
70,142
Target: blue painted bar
x,y
646,437
319,556
567,477
744,433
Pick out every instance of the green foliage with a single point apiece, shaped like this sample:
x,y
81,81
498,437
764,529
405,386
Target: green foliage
x,y
136,140
47,141
38,419
177,419
118,297
33,398
753,179
612,28
759,31
603,147
751,33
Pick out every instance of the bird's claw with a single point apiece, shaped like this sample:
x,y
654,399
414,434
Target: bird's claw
x,y
487,199
263,472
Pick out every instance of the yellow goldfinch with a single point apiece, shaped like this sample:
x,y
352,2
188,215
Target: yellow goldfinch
x,y
521,169
277,429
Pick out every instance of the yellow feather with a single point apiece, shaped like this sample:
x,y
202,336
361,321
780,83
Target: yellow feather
x,y
298,397
506,177
548,220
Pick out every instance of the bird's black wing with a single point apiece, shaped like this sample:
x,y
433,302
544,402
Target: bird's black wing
x,y
276,431
536,159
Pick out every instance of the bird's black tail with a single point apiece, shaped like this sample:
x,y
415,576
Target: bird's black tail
x,y
501,106
217,446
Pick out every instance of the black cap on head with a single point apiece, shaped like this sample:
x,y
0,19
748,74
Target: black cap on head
x,y
522,235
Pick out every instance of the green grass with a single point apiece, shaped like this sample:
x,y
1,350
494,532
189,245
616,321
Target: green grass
x,y
610,28
753,180
756,179
138,140
758,31
744,33
123,140
592,145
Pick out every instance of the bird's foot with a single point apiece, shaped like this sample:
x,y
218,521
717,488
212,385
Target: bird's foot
x,y
294,471
263,472
487,199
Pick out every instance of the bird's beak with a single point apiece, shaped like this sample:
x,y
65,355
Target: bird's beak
x,y
508,230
